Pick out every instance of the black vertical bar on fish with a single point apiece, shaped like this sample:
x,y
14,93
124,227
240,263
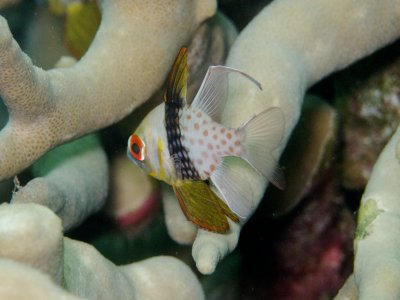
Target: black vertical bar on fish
x,y
175,98
183,165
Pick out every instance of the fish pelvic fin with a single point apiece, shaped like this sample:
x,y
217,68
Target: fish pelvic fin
x,y
202,206
262,135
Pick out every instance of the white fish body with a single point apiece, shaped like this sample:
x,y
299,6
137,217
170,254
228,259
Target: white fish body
x,y
208,141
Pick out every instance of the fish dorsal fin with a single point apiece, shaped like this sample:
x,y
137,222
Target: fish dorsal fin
x,y
177,80
202,206
213,92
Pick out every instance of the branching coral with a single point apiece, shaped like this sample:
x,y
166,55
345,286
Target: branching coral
x,y
49,108
376,243
116,75
82,270
288,47
72,180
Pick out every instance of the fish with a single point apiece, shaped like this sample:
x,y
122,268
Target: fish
x,y
188,147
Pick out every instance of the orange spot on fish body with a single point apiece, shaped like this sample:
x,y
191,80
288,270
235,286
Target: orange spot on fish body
x,y
223,142
205,132
210,146
212,168
222,130
204,154
237,143
196,126
229,135
215,158
215,137
199,114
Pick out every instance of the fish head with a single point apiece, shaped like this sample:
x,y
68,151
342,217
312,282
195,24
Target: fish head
x,y
148,147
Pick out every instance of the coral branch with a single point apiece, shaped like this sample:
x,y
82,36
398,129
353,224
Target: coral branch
x,y
36,285
378,226
24,88
126,63
179,227
288,47
209,248
348,290
33,227
31,234
72,181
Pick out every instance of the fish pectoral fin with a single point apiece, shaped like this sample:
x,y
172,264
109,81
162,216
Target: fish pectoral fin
x,y
203,207
234,186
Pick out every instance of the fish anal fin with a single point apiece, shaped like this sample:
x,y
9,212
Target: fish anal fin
x,y
202,206
234,186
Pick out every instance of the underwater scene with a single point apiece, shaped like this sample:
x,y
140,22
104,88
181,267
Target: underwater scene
x,y
199,149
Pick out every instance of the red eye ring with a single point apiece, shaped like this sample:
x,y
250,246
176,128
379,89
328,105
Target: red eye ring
x,y
136,147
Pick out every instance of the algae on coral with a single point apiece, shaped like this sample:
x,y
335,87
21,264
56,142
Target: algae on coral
x,y
367,213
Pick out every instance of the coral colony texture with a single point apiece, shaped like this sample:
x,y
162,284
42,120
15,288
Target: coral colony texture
x,y
78,221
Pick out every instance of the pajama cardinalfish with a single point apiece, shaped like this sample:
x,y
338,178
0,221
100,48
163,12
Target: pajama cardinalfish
x,y
186,147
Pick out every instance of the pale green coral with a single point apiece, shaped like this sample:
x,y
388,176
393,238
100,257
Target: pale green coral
x,y
32,245
376,263
72,180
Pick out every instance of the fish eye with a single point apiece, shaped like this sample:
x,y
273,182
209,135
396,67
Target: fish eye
x,y
137,147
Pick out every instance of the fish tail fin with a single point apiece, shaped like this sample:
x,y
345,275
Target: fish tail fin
x,y
262,134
